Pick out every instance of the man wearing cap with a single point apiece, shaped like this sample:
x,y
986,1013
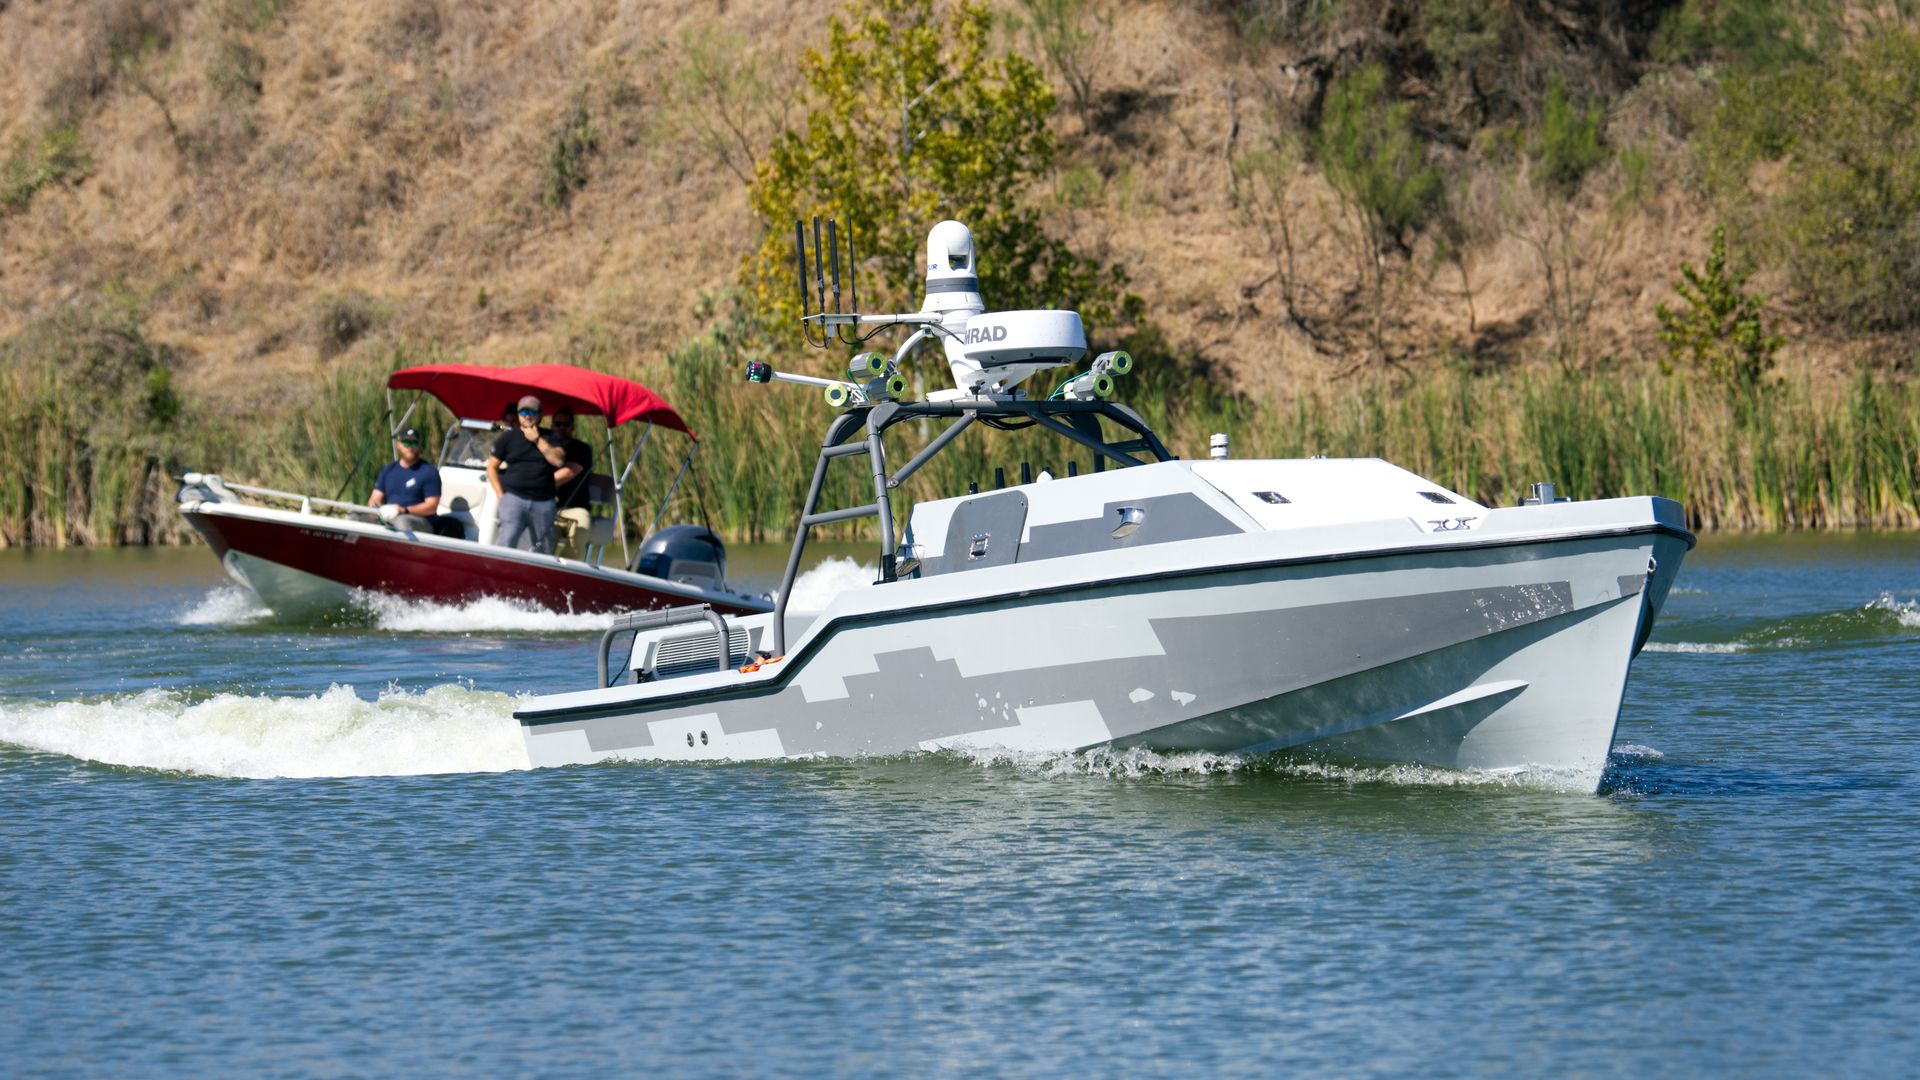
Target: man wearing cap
x,y
407,491
521,471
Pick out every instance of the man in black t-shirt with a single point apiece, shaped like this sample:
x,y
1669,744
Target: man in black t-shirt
x,y
521,472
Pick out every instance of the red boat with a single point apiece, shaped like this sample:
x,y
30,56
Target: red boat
x,y
304,555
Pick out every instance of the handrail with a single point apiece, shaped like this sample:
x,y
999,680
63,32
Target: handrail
x,y
304,500
840,442
653,620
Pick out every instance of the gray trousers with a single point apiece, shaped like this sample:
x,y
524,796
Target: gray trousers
x,y
524,516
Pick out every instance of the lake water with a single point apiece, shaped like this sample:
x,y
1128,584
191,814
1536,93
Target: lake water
x,y
235,847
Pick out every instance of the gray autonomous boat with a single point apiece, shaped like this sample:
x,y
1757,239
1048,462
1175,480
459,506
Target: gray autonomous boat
x,y
1340,608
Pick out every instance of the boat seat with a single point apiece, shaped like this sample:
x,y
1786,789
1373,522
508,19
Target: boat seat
x,y
469,500
577,528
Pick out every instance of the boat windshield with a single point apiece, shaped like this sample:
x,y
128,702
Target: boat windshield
x,y
469,444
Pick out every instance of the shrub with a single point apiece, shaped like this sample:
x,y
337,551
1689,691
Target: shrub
x,y
35,162
574,142
341,319
1844,214
90,421
1379,168
1720,332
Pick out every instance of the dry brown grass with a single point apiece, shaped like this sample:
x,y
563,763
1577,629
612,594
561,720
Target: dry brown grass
x,y
397,152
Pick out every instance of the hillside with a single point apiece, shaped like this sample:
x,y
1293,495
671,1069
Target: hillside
x,y
277,191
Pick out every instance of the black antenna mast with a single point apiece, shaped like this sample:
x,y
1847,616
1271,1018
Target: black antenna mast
x,y
837,323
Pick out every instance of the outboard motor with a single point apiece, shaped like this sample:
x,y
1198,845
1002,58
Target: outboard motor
x,y
687,554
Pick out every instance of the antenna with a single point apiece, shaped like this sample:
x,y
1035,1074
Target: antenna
x,y
819,278
836,323
800,275
833,256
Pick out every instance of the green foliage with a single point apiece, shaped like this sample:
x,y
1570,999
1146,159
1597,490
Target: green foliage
x,y
1844,212
1379,168
1569,144
34,163
88,421
1372,157
1264,22
247,14
1748,35
911,119
1464,35
575,142
1720,331
1813,453
336,441
1078,187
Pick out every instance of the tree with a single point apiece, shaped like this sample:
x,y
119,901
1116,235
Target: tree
x,y
1843,214
910,120
1566,149
1264,196
720,97
1072,35
1719,332
1378,167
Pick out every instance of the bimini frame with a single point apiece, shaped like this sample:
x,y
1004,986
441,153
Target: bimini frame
x,y
1078,421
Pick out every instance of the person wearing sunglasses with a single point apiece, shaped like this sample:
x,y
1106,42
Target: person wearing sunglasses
x,y
521,468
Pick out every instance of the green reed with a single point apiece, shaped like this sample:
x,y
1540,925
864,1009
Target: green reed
x,y
90,428
1805,453
91,437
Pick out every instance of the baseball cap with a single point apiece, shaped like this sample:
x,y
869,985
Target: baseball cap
x,y
529,402
410,436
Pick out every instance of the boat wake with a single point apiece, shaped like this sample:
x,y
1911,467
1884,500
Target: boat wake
x,y
1885,618
227,605
453,729
447,729
1138,764
489,614
817,587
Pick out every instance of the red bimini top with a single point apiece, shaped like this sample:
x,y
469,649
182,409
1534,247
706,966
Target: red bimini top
x,y
476,392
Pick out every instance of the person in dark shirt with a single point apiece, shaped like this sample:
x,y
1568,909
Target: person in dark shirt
x,y
570,479
574,518
521,471
407,491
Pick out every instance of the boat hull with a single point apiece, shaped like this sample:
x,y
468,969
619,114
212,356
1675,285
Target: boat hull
x,y
303,565
1495,656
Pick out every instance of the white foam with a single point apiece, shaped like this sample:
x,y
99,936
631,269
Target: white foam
x,y
816,588
228,605
1696,646
1906,612
486,614
1637,752
447,729
1109,762
1137,763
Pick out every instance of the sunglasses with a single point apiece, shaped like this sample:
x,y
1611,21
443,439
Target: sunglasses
x,y
529,412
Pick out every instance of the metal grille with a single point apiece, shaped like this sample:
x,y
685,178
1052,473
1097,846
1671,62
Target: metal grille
x,y
690,654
